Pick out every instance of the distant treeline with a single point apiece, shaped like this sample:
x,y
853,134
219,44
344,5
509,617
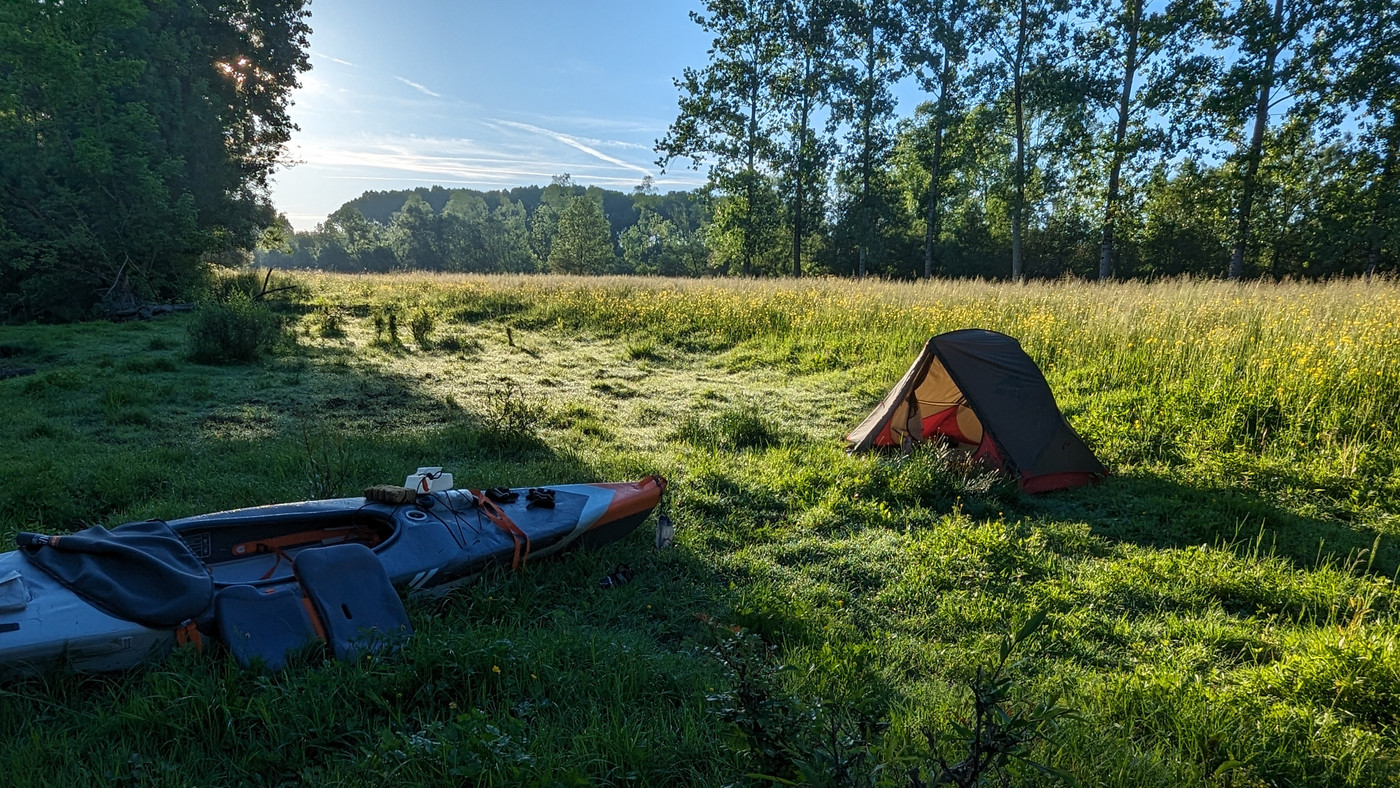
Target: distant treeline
x,y
1099,138
563,227
1179,223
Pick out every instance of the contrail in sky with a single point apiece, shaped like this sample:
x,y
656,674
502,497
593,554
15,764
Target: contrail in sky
x,y
575,144
417,86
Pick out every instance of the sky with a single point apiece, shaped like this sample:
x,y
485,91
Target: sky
x,y
485,94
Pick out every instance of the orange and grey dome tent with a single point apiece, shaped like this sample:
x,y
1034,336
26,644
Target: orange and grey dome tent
x,y
979,388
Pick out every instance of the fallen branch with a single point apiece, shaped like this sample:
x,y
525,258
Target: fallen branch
x,y
146,311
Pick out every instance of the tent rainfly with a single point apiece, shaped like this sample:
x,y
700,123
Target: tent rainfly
x,y
980,389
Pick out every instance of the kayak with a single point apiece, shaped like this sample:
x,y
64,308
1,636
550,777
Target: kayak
x,y
266,580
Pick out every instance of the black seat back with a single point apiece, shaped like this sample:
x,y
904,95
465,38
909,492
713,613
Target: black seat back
x,y
358,606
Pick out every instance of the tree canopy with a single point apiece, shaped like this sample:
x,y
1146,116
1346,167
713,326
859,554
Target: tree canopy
x,y
136,141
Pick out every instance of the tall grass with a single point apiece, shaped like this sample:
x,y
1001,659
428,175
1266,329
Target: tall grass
x,y
1305,372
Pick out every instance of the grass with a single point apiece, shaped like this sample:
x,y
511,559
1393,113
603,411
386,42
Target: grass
x,y
1223,607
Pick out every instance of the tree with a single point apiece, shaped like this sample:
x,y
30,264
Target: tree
x,y
364,241
415,235
728,111
506,239
1131,41
1026,37
1369,80
1281,46
543,224
651,246
940,35
582,242
747,227
545,220
803,84
135,139
869,41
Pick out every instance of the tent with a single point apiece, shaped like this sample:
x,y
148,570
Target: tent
x,y
980,389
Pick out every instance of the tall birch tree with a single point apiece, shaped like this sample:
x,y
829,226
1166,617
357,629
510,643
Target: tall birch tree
x,y
1024,37
728,112
1281,47
803,84
939,39
870,35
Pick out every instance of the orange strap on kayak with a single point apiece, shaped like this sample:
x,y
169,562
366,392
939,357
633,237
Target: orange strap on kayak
x,y
281,554
189,633
494,514
273,544
314,618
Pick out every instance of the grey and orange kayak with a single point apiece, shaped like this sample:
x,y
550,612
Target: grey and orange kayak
x,y
439,540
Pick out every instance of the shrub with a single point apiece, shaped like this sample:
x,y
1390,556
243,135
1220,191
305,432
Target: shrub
x,y
327,324
510,417
421,327
237,331
386,326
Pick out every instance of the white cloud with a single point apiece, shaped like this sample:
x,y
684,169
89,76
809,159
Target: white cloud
x,y
417,87
332,169
464,160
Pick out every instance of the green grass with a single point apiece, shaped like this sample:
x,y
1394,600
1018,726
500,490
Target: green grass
x,y
1223,607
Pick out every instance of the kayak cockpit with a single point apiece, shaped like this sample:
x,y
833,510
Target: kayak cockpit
x,y
256,546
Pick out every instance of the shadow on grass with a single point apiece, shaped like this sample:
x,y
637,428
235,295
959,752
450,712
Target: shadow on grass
x,y
1152,511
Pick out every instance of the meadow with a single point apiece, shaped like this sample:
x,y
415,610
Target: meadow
x,y
1221,611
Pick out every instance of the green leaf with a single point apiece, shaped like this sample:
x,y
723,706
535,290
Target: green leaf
x,y
1227,767
1032,624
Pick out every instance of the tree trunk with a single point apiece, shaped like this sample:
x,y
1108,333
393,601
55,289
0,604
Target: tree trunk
x,y
1019,201
867,143
1385,196
797,228
801,162
750,225
1120,137
1256,147
935,180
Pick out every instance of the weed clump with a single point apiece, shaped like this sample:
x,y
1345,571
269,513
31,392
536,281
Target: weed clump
x,y
328,461
454,343
645,350
1000,731
510,417
421,327
729,430
386,326
787,739
237,331
326,323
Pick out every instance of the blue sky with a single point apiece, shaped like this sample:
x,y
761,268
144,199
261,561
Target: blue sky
x,y
485,95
